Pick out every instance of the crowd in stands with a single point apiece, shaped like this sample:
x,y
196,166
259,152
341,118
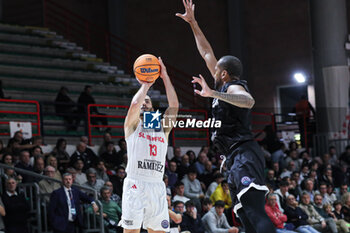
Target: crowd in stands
x,y
307,194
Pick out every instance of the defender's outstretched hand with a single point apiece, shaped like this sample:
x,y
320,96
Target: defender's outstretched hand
x,y
206,91
188,16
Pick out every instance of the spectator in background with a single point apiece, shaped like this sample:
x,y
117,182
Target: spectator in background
x,y
84,100
171,173
24,163
122,148
333,155
207,176
80,177
327,176
73,172
191,156
179,193
64,209
321,211
304,172
342,225
271,179
2,214
48,186
39,166
222,193
85,154
92,181
344,188
309,188
279,154
179,207
330,193
282,194
17,209
338,210
345,156
314,218
101,171
184,166
191,220
298,217
52,161
206,206
293,155
177,156
111,157
218,179
200,164
193,189
345,199
111,210
61,154
290,168
175,218
17,143
107,138
114,196
277,217
215,221
65,107
118,180
322,190
166,182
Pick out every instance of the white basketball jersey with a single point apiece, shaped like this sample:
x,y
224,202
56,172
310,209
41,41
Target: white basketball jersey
x,y
147,150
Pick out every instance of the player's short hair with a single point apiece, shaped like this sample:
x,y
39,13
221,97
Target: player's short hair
x,y
189,203
283,183
104,188
178,184
219,204
206,201
176,203
232,65
91,171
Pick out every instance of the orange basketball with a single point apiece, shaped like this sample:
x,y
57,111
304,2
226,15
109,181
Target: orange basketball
x,y
147,68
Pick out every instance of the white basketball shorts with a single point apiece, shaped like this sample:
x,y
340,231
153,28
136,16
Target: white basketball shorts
x,y
144,203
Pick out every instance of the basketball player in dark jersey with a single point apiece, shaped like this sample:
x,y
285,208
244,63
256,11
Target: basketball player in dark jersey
x,y
231,105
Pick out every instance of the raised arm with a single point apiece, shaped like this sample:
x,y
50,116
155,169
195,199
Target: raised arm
x,y
235,95
171,112
202,43
133,115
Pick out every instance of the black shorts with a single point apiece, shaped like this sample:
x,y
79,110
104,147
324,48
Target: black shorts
x,y
247,171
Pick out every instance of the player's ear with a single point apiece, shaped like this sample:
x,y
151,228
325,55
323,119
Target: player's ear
x,y
224,74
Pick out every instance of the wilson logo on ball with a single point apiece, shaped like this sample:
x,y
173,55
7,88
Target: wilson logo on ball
x,y
148,70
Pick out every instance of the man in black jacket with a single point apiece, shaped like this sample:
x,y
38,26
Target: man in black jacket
x,y
191,220
17,209
297,216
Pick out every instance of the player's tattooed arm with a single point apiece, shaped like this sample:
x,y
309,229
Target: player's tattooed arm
x,y
235,95
241,100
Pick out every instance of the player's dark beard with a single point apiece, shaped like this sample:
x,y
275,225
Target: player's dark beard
x,y
218,85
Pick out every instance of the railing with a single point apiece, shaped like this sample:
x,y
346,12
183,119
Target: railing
x,y
35,113
257,122
110,47
91,126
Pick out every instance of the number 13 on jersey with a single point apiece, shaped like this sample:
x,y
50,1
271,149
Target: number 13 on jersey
x,y
152,150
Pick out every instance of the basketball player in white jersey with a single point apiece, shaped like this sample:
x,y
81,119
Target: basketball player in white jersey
x,y
144,192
